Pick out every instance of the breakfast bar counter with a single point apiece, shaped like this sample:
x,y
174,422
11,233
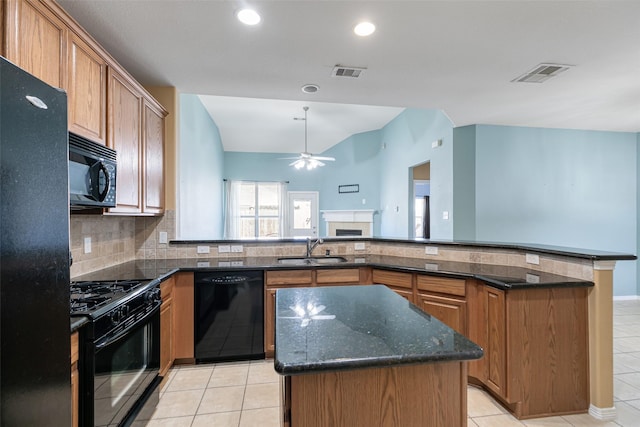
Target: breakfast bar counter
x,y
364,356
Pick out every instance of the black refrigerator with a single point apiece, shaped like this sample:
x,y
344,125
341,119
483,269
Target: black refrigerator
x,y
35,384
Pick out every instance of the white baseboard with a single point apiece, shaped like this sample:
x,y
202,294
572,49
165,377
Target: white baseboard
x,y
605,414
627,298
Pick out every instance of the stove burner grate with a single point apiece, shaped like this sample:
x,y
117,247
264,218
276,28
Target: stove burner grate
x,y
90,295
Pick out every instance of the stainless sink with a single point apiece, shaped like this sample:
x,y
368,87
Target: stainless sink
x,y
311,260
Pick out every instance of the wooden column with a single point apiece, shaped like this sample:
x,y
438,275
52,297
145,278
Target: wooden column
x,y
601,341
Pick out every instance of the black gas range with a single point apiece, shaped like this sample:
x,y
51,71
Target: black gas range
x,y
120,354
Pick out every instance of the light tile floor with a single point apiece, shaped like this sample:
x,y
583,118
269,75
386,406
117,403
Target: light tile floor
x,y
246,394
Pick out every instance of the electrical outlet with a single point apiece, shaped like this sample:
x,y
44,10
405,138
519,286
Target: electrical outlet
x,y
87,245
359,246
203,264
236,248
162,237
224,249
237,263
532,259
533,278
224,264
203,249
445,214
431,267
431,250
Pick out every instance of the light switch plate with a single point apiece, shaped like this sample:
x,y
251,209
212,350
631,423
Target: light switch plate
x,y
359,246
223,249
162,237
236,248
87,245
203,249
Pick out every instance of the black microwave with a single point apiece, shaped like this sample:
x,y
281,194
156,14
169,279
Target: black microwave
x,y
92,174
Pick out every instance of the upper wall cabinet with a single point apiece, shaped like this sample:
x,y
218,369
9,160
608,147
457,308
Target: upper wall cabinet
x,y
86,87
105,104
153,148
125,129
36,40
136,132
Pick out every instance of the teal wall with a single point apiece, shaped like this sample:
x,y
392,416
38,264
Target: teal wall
x,y
464,183
383,174
357,162
200,167
559,187
498,183
408,139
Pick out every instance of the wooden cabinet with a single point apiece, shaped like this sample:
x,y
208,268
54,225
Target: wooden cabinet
x,y
340,277
36,40
477,326
399,282
105,104
495,350
75,380
450,311
535,345
87,90
153,148
269,321
166,326
444,299
136,132
125,130
183,318
275,280
487,328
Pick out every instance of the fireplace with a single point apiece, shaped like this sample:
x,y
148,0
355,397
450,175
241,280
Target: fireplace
x,y
349,223
348,232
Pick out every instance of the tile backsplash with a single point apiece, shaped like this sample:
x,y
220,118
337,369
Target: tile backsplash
x,y
117,239
111,240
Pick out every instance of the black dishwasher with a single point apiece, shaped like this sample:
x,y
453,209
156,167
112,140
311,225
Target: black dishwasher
x,y
229,316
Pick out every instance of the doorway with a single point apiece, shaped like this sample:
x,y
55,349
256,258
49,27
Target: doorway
x,y
303,213
421,205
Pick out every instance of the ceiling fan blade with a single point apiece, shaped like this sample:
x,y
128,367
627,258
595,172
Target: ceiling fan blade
x,y
328,159
288,158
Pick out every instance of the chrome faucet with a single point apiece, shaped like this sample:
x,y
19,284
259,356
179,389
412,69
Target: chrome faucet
x,y
311,244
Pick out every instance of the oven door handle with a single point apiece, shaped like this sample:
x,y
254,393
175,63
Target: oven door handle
x,y
110,340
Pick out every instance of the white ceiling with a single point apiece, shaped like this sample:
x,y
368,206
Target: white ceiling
x,y
457,56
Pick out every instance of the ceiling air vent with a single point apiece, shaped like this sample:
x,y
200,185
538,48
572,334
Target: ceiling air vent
x,y
342,71
541,73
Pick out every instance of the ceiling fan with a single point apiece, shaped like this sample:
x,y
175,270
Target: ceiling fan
x,y
306,159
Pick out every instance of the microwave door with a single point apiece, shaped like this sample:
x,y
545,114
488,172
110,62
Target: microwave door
x,y
99,181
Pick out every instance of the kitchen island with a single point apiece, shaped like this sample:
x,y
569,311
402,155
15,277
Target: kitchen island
x,y
364,356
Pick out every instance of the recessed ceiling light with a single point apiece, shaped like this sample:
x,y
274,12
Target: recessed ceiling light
x,y
248,16
364,29
310,88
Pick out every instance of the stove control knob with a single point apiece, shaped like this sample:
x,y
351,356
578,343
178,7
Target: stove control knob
x,y
115,316
152,296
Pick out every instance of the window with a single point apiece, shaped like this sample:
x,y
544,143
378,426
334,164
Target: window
x,y
254,209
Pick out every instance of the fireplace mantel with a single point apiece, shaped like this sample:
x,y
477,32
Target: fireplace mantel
x,y
349,219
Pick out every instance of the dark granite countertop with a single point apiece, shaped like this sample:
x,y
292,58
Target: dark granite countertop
x,y
77,322
502,277
326,329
